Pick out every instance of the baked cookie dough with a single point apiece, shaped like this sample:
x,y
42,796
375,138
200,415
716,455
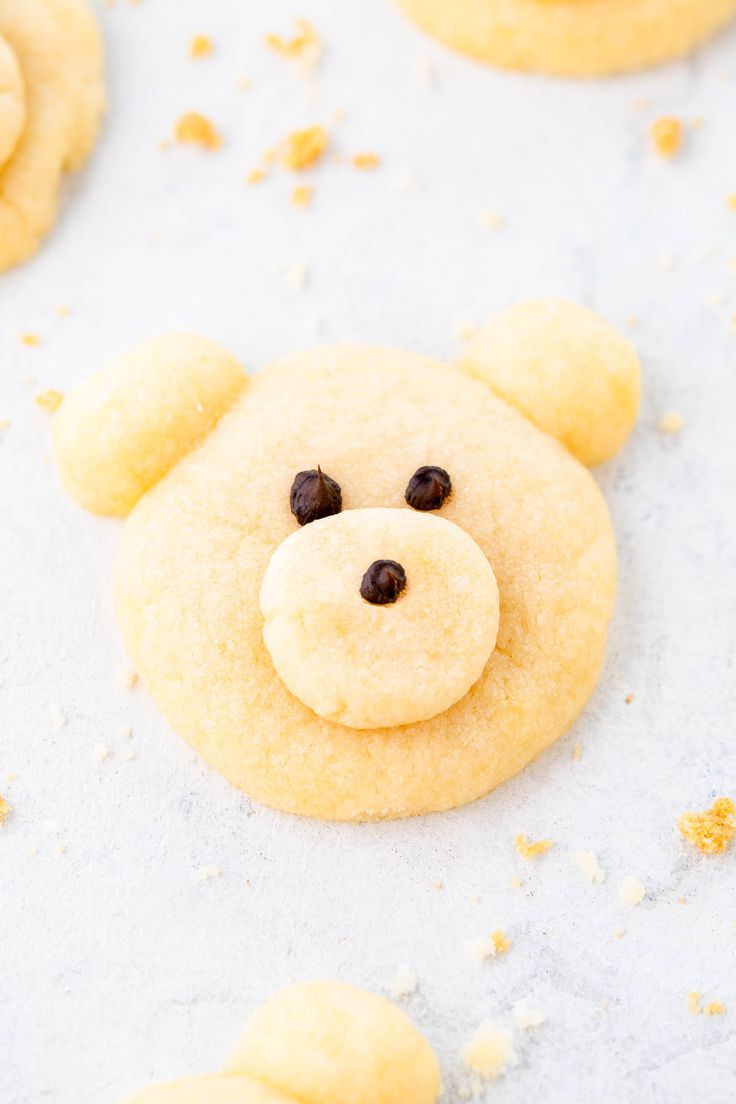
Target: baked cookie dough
x,y
323,1043
51,103
571,38
440,616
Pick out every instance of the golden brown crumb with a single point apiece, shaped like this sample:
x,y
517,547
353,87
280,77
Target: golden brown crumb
x,y
304,148
201,46
515,883
577,753
671,422
713,830
197,130
693,1003
30,339
366,161
49,400
63,310
438,886
629,698
731,201
529,850
255,176
715,1008
302,196
619,933
4,423
306,38
5,810
501,945
666,134
682,900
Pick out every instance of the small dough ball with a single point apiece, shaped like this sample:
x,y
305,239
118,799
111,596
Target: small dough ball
x,y
215,1089
327,1043
567,369
122,430
373,666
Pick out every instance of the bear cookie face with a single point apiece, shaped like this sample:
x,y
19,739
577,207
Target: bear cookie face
x,y
363,583
571,38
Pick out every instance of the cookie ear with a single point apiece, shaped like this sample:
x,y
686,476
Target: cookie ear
x,y
122,430
567,369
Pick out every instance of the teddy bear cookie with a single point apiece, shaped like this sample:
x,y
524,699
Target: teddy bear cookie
x,y
571,38
363,583
323,1043
51,103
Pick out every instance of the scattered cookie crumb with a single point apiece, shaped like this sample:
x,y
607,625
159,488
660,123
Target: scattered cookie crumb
x,y
671,422
61,849
715,1008
666,135
101,753
529,850
403,984
365,161
63,310
305,40
489,946
201,46
491,1051
255,176
587,861
208,873
693,1003
619,933
501,945
490,220
632,892
697,1008
528,1013
5,810
302,196
49,400
244,84
731,201
127,678
515,883
304,148
713,830
682,900
196,129
577,753
31,340
4,424
438,886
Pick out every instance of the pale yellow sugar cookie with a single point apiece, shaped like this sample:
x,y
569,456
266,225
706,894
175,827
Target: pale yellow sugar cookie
x,y
325,638
322,1043
327,1043
120,432
576,38
566,368
51,102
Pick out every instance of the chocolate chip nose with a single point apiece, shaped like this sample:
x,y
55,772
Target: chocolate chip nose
x,y
383,582
314,495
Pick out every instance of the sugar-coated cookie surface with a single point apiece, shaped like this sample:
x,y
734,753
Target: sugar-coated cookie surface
x,y
571,37
322,1043
51,103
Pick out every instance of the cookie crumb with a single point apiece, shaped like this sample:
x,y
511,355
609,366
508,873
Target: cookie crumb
x,y
490,220
490,1052
101,753
31,340
4,424
63,310
515,883
5,810
529,850
671,422
577,753
632,892
682,900
244,84
403,984
711,831
715,1008
438,886
255,176
731,201
528,1013
302,196
667,135
196,129
201,46
365,161
305,40
619,933
489,946
304,148
49,400
127,678
588,863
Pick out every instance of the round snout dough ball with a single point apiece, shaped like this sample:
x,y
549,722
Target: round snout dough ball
x,y
567,369
372,666
328,1043
573,38
212,1089
122,430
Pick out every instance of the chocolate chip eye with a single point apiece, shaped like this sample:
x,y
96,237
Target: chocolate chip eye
x,y
383,582
428,488
314,495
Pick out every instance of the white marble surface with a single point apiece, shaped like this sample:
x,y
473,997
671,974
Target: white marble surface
x,y
117,963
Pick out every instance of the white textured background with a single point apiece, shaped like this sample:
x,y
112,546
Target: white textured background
x,y
117,964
